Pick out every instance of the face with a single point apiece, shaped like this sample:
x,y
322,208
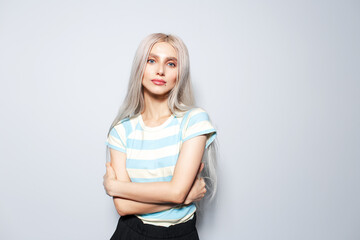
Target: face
x,y
161,70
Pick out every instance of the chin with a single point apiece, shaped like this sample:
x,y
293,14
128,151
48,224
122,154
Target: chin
x,y
155,91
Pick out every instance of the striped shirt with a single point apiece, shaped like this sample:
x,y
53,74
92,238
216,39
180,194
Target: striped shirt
x,y
152,152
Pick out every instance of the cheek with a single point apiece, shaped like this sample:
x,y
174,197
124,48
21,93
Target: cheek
x,y
174,76
146,72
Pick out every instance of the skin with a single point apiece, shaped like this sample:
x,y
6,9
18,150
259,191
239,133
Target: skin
x,y
185,187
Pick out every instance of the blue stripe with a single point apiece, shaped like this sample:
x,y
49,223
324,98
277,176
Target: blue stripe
x,y
202,116
115,147
114,133
173,122
128,128
171,214
211,139
152,164
159,179
138,126
152,144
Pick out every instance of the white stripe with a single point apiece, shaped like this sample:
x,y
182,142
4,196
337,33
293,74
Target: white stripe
x,y
115,141
121,131
133,122
166,132
153,154
151,173
198,127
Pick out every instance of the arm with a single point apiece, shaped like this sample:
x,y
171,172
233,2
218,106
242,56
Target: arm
x,y
126,206
174,191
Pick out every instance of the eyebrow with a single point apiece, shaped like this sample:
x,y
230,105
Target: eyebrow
x,y
168,58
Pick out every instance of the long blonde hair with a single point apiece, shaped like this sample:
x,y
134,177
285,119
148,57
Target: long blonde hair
x,y
180,99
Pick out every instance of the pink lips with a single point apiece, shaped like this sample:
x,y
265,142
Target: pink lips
x,y
158,81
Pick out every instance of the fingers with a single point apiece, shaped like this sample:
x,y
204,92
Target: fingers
x,y
107,165
201,167
106,168
203,186
110,172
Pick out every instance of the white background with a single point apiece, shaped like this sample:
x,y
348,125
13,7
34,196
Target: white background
x,y
279,79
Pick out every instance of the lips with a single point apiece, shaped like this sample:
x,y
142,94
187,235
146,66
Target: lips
x,y
158,81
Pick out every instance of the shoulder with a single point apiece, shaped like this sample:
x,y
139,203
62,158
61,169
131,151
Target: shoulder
x,y
120,124
196,109
123,126
197,112
195,117
198,123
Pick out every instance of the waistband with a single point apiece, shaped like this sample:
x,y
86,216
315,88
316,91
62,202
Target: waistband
x,y
149,230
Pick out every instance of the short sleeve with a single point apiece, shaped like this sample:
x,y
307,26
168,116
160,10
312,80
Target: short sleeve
x,y
198,123
117,138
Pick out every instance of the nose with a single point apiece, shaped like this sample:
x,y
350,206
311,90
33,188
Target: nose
x,y
160,69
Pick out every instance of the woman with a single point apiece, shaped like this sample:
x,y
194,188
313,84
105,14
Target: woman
x,y
154,185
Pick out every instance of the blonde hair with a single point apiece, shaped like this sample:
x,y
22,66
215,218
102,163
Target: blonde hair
x,y
180,99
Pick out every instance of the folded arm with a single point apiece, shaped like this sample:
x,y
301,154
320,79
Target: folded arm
x,y
174,191
127,206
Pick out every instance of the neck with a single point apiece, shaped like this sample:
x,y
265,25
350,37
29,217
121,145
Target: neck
x,y
156,106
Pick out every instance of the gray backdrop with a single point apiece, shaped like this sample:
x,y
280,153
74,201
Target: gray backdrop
x,y
279,79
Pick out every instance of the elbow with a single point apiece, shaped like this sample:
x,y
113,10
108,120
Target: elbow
x,y
121,212
178,192
120,208
178,197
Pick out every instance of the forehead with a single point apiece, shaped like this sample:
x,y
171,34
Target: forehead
x,y
163,49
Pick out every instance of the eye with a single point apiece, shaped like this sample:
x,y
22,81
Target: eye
x,y
149,60
172,64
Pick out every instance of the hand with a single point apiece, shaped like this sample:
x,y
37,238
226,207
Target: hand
x,y
109,177
198,190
